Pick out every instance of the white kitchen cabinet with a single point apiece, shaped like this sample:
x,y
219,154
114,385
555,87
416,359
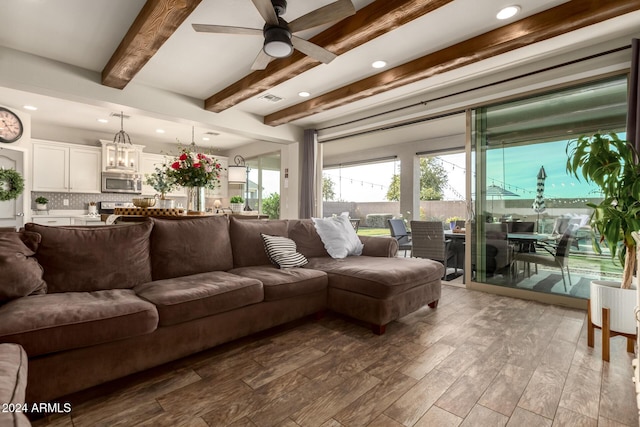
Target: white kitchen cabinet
x,y
84,170
60,167
50,167
48,220
85,220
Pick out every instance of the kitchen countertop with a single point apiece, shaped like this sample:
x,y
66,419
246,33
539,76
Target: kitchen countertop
x,y
66,214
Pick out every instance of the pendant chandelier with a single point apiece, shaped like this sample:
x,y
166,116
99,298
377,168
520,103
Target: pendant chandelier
x,y
118,151
122,137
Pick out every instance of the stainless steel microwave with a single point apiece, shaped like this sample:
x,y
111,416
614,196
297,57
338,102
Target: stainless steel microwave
x,y
121,182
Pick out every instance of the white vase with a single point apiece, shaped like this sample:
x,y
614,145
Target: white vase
x,y
620,302
166,203
236,207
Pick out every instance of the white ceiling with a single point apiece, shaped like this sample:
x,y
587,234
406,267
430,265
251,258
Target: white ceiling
x,y
194,65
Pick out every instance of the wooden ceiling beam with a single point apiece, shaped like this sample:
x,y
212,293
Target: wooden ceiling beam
x,y
553,22
376,19
155,23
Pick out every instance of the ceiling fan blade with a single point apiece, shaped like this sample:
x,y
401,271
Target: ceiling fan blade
x,y
332,12
313,50
261,61
223,29
267,11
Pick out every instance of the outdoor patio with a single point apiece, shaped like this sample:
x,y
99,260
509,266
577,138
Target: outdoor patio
x,y
584,265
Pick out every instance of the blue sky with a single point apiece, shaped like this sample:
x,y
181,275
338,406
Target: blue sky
x,y
521,167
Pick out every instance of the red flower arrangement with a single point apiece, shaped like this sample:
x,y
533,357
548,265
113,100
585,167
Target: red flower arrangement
x,y
191,169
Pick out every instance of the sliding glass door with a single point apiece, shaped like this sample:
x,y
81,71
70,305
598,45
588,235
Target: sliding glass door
x,y
525,201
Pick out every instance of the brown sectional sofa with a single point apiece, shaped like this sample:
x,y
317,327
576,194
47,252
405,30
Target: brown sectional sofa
x,y
13,383
121,299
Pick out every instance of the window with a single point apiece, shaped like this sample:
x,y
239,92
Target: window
x,y
368,191
264,184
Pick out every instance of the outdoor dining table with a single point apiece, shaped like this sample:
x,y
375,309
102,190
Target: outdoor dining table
x,y
521,239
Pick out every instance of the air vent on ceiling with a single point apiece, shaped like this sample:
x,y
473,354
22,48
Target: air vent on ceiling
x,y
124,116
212,133
269,97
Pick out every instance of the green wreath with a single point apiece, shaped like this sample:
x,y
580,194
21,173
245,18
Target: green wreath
x,y
15,182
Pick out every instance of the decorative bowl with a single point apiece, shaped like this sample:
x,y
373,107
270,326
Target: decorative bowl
x,y
145,202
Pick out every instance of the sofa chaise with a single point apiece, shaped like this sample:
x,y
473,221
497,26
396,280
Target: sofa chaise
x,y
92,304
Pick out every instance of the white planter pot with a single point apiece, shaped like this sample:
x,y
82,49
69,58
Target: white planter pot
x,y
41,206
620,302
237,207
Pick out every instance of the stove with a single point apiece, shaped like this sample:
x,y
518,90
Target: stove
x,y
107,208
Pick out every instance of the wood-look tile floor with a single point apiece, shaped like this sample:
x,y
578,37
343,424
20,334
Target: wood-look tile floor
x,y
476,360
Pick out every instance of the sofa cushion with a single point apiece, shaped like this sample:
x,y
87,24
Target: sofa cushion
x,y
378,277
189,246
30,239
186,298
308,242
21,273
13,383
338,236
55,322
279,284
94,258
246,241
282,252
385,246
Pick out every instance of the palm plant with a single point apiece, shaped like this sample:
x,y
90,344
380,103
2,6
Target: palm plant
x,y
612,164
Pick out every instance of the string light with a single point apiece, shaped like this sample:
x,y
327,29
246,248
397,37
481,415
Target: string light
x,y
357,181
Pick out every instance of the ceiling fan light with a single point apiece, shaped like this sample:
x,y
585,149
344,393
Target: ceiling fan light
x,y
277,42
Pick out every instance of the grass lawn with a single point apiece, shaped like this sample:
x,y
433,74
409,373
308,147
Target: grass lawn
x,y
366,231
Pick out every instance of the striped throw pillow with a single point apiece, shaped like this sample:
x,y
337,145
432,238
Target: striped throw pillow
x,y
282,251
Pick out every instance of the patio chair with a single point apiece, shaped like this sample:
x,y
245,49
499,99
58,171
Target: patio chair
x,y
562,223
559,259
399,231
428,241
498,249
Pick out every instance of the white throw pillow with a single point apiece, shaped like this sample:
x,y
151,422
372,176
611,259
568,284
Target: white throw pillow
x,y
282,251
338,236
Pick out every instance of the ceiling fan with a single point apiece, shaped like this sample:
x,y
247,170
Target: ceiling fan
x,y
279,40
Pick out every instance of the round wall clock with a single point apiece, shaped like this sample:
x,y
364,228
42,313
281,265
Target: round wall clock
x,y
10,126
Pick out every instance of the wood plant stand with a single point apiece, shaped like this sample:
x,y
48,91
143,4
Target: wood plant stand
x,y
607,333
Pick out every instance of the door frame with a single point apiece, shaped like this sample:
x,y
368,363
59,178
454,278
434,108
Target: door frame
x,y
26,173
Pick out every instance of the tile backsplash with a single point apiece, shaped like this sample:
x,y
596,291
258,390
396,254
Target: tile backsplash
x,y
80,201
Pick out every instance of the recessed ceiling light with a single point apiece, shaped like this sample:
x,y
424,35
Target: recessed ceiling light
x,y
508,12
159,130
103,120
304,94
379,64
205,138
30,107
